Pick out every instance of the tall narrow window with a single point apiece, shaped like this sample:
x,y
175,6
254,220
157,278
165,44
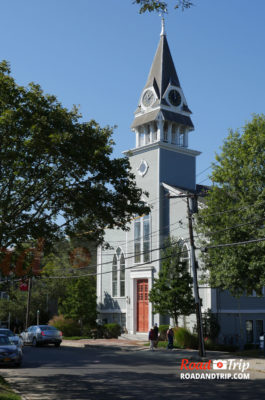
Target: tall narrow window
x,y
142,239
185,259
114,277
122,276
249,331
146,237
118,274
137,240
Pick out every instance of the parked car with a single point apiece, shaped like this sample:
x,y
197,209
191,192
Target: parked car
x,y
12,336
10,354
42,334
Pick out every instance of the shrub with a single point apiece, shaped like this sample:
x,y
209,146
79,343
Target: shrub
x,y
69,327
112,330
251,346
184,338
163,332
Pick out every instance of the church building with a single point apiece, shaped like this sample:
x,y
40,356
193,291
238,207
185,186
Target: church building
x,y
165,167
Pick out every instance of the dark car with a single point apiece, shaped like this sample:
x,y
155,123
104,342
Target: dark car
x,y
41,334
10,354
12,336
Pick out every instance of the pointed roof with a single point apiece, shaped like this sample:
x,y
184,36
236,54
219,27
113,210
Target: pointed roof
x,y
162,72
162,78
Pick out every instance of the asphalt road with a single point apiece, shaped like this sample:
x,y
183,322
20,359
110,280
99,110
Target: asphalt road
x,y
97,373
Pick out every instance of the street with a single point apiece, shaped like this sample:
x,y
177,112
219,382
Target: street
x,y
109,373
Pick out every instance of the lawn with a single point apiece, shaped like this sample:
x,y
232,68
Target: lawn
x,y
6,393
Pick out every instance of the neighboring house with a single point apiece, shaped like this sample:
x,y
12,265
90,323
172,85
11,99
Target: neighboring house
x,y
164,166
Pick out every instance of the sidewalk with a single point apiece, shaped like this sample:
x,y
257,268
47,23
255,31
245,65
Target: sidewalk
x,y
256,364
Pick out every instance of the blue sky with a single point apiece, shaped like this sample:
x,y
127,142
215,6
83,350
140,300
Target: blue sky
x,y
97,54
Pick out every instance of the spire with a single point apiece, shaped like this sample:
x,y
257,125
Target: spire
x,y
163,32
162,96
162,71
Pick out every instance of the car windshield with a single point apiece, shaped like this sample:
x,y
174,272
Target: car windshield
x,y
47,328
4,340
6,332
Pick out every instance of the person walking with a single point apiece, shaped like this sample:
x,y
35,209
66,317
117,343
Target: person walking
x,y
151,337
156,335
170,337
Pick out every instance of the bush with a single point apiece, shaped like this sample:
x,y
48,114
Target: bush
x,y
112,330
251,346
210,345
184,338
69,327
163,332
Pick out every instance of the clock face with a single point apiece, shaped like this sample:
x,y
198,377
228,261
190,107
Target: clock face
x,y
174,98
148,98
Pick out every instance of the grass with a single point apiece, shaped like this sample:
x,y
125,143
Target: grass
x,y
163,345
6,393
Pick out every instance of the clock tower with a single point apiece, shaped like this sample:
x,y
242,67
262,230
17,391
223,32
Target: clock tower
x,y
163,164
162,123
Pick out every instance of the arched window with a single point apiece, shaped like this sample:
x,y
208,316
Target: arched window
x,y
185,256
118,274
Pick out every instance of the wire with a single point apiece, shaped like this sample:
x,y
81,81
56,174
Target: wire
x,y
205,249
229,210
100,273
229,228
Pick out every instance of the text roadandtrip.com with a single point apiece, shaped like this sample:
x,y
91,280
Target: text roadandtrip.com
x,y
235,369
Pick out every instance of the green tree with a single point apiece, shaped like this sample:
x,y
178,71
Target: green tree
x,y
53,165
58,280
234,212
161,6
171,293
80,300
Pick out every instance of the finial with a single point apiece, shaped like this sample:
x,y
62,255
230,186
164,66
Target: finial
x,y
163,32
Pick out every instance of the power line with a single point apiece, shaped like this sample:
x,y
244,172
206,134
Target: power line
x,y
205,249
229,228
229,210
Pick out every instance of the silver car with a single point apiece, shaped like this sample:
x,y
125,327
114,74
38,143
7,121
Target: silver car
x,y
10,354
42,334
12,336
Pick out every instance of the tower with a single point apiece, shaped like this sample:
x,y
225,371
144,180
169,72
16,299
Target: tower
x,y
162,163
162,120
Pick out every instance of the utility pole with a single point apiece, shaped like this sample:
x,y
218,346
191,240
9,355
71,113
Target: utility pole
x,y
28,301
194,271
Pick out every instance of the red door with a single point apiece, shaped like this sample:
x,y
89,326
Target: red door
x,y
142,305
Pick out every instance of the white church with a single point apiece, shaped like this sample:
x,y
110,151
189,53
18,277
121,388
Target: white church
x,y
164,166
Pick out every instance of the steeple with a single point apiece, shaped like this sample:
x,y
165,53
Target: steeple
x,y
162,107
